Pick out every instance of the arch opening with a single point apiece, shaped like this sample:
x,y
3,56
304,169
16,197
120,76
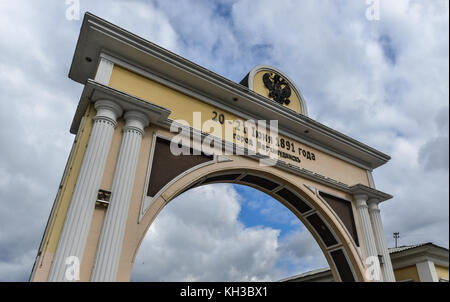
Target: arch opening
x,y
334,245
228,232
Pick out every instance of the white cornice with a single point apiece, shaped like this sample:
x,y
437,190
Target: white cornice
x,y
412,256
94,91
99,36
360,189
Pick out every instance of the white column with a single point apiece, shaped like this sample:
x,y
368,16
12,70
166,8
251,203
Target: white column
x,y
81,209
104,71
427,271
371,261
113,230
380,239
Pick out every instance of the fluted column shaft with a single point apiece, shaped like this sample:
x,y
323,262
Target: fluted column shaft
x,y
111,238
367,233
81,209
380,239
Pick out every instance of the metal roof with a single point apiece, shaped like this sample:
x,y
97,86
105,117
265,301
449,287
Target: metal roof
x,y
408,247
305,274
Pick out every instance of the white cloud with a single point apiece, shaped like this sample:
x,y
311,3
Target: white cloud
x,y
37,104
199,237
300,253
382,82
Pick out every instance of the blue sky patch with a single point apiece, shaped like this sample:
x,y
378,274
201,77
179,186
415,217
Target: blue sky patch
x,y
260,209
388,49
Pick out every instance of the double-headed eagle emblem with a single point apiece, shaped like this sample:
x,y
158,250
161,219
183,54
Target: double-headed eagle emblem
x,y
279,89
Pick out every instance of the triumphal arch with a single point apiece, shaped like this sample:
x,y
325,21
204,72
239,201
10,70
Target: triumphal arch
x,y
151,125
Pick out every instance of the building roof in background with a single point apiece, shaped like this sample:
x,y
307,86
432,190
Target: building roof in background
x,y
306,274
391,251
408,247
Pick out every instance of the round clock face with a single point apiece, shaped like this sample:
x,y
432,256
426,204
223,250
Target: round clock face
x,y
279,89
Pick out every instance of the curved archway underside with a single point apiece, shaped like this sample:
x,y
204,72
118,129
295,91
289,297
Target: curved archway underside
x,y
338,240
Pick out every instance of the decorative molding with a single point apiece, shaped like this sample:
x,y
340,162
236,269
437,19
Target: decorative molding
x,y
371,181
311,188
222,159
279,89
259,68
229,107
107,111
360,189
104,70
145,204
285,166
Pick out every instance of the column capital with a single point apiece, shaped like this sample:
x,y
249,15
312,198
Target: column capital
x,y
360,189
107,110
136,120
361,196
373,204
361,200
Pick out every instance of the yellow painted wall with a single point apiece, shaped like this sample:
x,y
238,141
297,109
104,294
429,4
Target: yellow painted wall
x,y
441,271
70,178
182,106
259,87
409,272
64,195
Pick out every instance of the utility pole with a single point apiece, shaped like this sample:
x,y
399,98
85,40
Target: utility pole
x,y
396,236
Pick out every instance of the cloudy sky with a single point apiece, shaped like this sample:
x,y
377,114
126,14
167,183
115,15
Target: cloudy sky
x,y
383,82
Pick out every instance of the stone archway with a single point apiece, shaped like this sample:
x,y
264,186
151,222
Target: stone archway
x,y
120,174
